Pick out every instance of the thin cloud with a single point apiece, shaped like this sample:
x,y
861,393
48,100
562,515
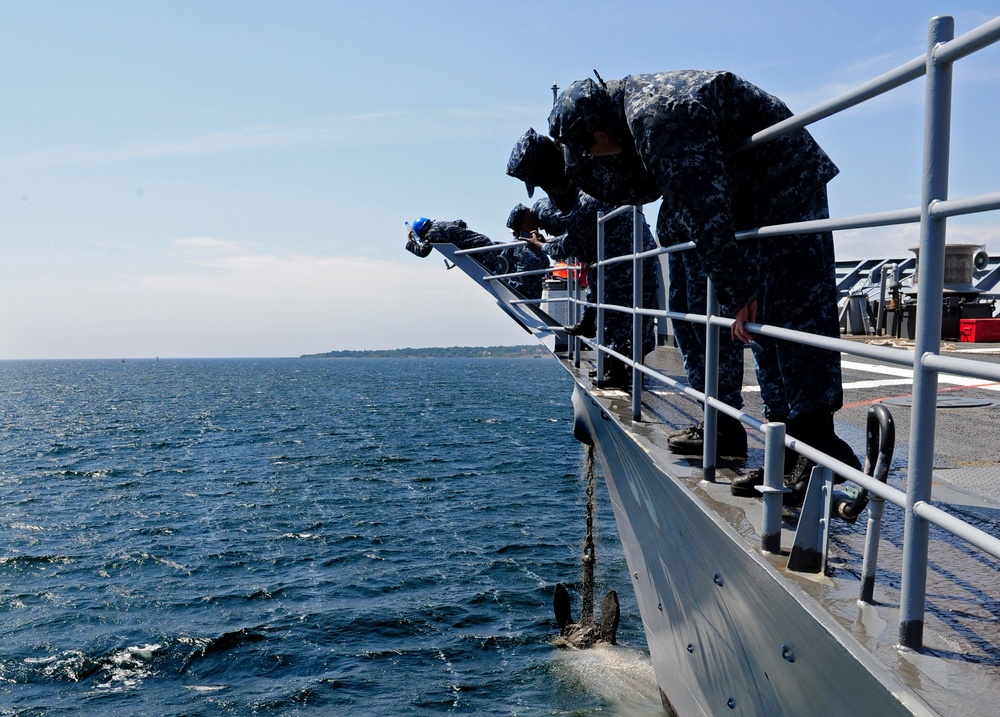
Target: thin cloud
x,y
211,244
215,267
898,241
970,73
371,128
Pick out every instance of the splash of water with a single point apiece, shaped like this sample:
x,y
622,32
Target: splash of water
x,y
621,678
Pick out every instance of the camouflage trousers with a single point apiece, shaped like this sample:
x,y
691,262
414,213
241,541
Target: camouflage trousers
x,y
618,290
798,291
688,293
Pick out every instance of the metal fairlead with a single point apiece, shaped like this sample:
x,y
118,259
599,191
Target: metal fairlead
x,y
850,501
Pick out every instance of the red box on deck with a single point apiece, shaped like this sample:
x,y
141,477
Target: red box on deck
x,y
979,330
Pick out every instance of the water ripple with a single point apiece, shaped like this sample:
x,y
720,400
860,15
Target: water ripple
x,y
278,537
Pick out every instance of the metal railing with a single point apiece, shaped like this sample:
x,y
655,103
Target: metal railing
x,y
925,359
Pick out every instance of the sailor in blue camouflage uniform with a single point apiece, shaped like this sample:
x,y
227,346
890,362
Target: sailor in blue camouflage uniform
x,y
523,222
685,127
574,235
425,232
687,292
622,179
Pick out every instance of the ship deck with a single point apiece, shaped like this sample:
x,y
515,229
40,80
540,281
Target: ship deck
x,y
962,620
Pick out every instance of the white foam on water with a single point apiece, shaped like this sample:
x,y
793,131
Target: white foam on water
x,y
620,677
126,668
67,665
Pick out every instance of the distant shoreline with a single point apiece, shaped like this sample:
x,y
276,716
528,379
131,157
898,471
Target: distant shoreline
x,y
526,351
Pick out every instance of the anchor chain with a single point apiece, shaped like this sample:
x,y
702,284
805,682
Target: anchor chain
x,y
589,553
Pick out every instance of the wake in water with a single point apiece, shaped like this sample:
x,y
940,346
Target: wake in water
x,y
620,678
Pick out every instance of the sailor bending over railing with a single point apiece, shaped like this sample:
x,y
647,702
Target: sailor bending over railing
x,y
687,128
424,233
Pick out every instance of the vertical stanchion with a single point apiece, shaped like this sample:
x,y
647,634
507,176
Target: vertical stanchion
x,y
573,313
711,383
600,297
937,129
880,319
869,564
774,468
636,317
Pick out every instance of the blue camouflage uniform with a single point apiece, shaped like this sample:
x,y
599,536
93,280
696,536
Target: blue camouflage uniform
x,y
618,180
523,258
622,179
684,127
575,235
526,258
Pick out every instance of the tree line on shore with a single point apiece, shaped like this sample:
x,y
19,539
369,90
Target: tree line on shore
x,y
527,351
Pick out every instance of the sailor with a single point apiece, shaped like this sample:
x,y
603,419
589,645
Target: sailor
x,y
536,160
621,179
424,232
685,128
523,222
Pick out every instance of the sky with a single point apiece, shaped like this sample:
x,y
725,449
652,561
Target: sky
x,y
231,178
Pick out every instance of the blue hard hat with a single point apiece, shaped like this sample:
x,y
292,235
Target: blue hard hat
x,y
419,224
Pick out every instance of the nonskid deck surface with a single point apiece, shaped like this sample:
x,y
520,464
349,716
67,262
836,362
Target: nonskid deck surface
x,y
962,628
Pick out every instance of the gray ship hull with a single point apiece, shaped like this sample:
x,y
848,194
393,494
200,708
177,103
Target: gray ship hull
x,y
728,633
730,628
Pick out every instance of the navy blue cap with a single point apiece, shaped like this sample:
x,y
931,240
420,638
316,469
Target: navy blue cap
x,y
582,109
516,217
538,162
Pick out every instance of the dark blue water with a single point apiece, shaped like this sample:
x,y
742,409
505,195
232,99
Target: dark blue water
x,y
299,537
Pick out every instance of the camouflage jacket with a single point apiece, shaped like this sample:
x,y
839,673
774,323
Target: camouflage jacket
x,y
459,234
522,258
576,232
684,126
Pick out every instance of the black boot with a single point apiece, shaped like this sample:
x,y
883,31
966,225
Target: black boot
x,y
586,326
817,429
616,375
731,439
795,468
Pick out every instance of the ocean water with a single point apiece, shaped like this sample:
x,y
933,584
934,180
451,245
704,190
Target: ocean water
x,y
300,537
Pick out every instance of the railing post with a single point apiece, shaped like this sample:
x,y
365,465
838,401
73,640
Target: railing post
x,y
880,319
573,313
600,296
937,130
637,318
774,468
711,383
869,563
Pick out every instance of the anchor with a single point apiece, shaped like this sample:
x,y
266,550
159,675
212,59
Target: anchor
x,y
586,632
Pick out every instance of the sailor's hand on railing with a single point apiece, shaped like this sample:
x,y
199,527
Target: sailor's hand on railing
x,y
533,238
747,314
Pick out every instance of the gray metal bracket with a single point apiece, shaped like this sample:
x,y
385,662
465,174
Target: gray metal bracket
x,y
812,535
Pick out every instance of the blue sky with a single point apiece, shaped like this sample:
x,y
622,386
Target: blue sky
x,y
184,179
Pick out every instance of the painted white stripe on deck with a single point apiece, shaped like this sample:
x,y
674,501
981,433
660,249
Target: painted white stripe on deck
x,y
907,373
904,378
